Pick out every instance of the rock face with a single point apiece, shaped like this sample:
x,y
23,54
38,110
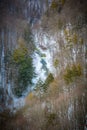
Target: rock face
x,y
25,9
14,16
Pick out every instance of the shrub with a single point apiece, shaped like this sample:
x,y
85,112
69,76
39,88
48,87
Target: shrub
x,y
25,69
75,38
48,80
63,2
54,5
43,86
19,54
72,73
56,62
50,120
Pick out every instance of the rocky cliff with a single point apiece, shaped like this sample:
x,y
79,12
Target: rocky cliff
x,y
15,16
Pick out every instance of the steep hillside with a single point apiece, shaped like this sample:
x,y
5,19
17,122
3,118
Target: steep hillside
x,y
43,64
